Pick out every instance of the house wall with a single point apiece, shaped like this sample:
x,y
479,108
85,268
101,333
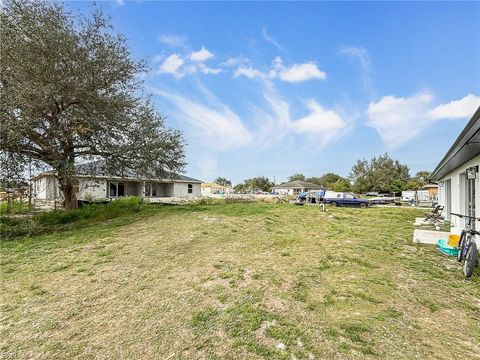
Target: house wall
x,y
46,188
164,190
133,188
90,188
458,198
181,189
283,191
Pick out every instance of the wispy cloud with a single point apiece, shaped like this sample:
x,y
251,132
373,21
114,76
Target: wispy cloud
x,y
362,57
275,122
271,39
249,72
292,73
209,120
173,40
235,61
398,120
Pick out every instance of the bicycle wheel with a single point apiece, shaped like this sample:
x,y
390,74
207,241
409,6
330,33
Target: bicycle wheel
x,y
461,244
470,259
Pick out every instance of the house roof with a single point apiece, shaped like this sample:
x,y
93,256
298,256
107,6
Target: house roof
x,y
298,184
98,169
463,149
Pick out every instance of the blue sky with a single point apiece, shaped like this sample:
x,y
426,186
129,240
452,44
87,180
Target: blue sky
x,y
279,88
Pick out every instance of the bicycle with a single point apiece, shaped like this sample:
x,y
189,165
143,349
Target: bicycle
x,y
467,247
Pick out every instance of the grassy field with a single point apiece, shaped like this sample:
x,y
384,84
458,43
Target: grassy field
x,y
237,281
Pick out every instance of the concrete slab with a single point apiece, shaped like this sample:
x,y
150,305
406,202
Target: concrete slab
x,y
428,236
421,221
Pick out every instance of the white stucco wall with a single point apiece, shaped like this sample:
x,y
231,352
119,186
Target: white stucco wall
x,y
89,188
458,200
40,188
44,188
283,191
181,190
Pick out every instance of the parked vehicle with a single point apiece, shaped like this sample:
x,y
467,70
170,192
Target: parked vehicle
x,y
382,200
345,199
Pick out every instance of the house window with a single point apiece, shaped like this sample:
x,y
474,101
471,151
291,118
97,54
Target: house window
x,y
150,190
116,189
190,188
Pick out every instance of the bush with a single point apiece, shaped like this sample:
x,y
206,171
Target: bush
x,y
11,228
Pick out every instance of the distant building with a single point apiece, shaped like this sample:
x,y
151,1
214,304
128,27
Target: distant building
x,y
94,182
295,187
213,188
457,174
432,191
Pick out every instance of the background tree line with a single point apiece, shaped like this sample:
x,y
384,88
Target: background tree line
x,y
381,174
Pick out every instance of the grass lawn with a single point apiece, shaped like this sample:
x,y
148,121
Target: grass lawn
x,y
238,281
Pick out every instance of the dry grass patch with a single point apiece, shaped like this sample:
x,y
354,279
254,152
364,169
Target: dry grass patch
x,y
238,281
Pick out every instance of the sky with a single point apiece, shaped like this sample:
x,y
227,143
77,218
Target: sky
x,y
274,89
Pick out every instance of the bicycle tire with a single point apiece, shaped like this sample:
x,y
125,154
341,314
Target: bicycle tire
x,y
471,259
461,243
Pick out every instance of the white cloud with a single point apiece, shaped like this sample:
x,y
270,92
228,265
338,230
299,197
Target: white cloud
x,y
235,61
201,55
172,65
119,3
297,72
173,40
271,39
398,120
463,108
294,73
211,121
208,70
318,121
249,72
274,122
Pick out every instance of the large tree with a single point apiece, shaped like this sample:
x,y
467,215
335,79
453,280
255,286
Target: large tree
x,y
296,177
260,183
222,181
71,91
380,174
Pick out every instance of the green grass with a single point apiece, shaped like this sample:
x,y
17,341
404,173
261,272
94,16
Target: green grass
x,y
235,281
16,207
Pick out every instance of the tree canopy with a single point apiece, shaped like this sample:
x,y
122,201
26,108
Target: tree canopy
x,y
71,91
260,183
222,181
296,177
379,174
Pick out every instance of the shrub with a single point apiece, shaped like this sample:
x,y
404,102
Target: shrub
x,y
11,228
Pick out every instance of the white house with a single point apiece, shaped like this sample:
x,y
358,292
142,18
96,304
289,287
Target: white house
x,y
295,187
95,183
458,177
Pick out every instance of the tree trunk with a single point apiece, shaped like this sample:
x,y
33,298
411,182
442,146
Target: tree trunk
x,y
68,182
69,191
